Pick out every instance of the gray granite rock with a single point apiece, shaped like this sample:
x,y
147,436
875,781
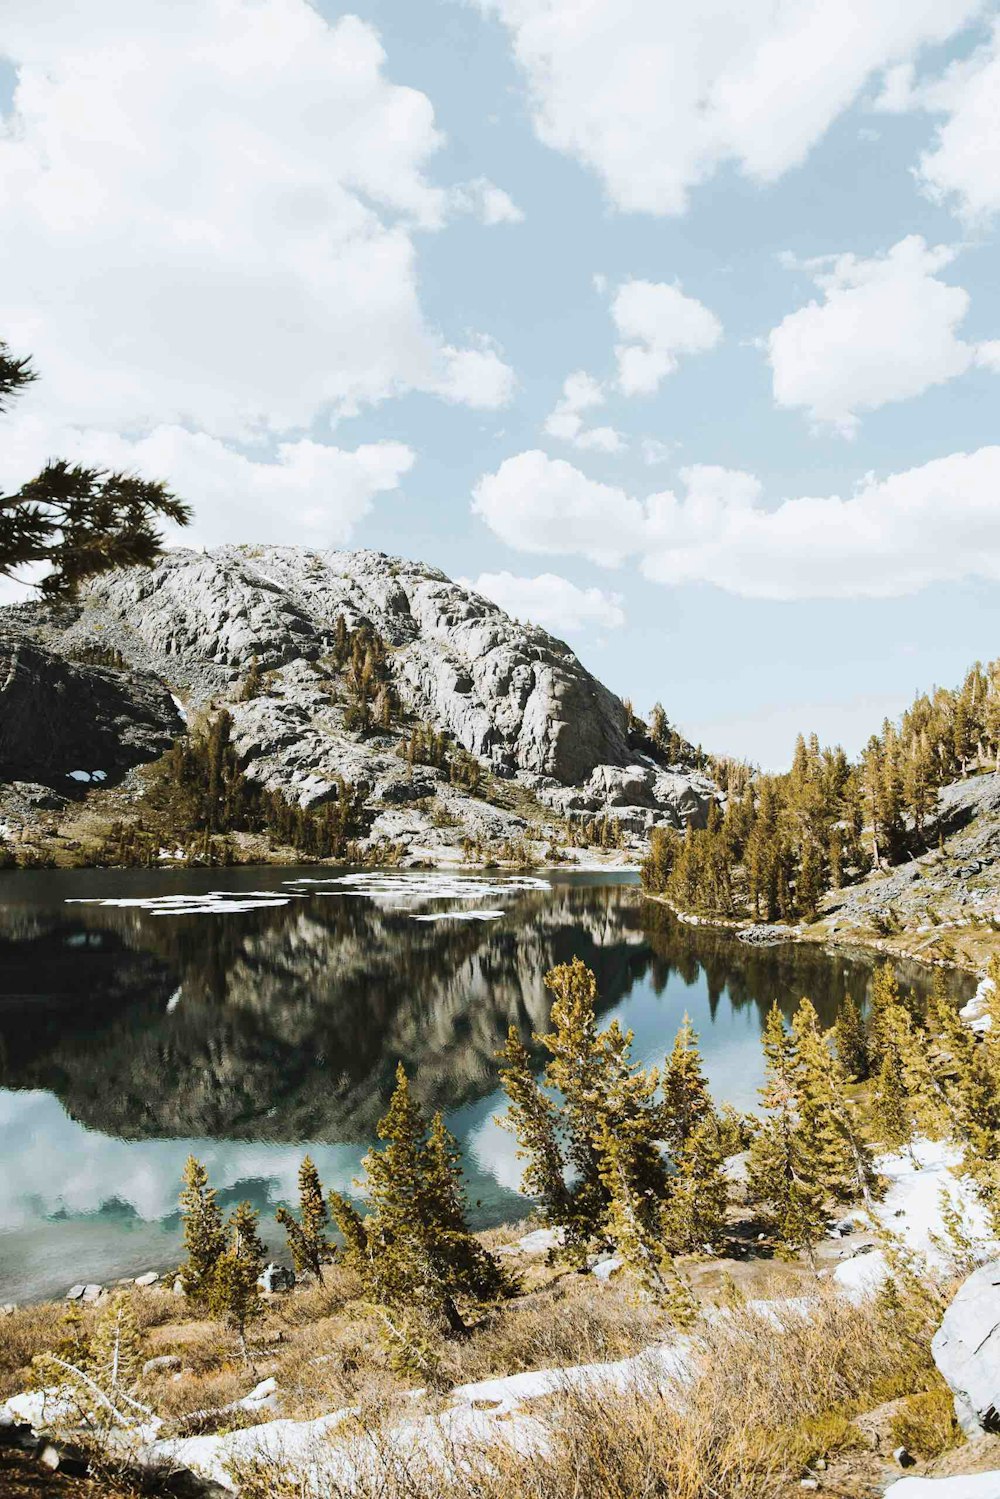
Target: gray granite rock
x,y
966,1349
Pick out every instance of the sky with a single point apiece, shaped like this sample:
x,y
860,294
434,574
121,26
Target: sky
x,y
674,329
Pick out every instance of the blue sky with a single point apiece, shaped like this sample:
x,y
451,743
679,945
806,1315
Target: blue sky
x,y
334,292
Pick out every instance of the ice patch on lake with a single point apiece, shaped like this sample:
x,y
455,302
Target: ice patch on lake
x,y
214,903
459,916
409,892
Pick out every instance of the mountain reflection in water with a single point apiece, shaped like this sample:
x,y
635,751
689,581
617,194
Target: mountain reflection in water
x,y
129,1037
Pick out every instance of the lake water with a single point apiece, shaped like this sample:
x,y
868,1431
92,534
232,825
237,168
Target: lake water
x,y
249,1015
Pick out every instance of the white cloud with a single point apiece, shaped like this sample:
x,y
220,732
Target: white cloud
x,y
311,492
581,392
886,330
552,602
655,451
963,166
656,97
541,504
657,323
212,222
939,522
489,203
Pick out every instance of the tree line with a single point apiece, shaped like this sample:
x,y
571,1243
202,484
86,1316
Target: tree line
x,y
783,841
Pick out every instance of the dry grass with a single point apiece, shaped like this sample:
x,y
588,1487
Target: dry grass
x,y
760,1407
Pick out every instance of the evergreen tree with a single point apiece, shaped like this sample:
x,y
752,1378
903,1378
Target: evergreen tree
x,y
532,1117
204,1234
233,1296
307,1239
781,1166
695,1214
851,1041
415,1246
686,1099
115,1357
834,1155
890,1116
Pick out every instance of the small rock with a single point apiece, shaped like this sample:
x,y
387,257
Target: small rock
x,y
149,1279
904,1457
276,1278
161,1363
75,1292
92,1292
178,1287
48,1456
809,1483
8,1309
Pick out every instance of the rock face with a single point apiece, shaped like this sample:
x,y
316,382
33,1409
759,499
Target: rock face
x,y
194,624
509,693
966,1349
58,717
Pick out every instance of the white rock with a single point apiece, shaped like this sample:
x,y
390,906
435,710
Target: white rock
x,y
149,1279
966,1349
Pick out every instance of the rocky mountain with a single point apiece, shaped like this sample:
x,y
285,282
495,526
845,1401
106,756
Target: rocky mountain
x,y
183,637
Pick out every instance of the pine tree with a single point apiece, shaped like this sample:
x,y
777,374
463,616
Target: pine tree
x,y
233,1297
834,1154
204,1234
781,1168
532,1117
686,1099
307,1239
415,1247
851,1041
116,1353
695,1214
890,1117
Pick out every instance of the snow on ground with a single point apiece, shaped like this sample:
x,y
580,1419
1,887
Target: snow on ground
x,y
911,1211
485,1413
87,775
181,710
963,1486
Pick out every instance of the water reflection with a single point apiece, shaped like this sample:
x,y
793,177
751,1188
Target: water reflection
x,y
129,1038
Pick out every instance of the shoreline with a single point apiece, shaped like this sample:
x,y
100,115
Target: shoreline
x,y
775,933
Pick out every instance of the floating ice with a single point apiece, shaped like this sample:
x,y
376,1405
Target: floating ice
x,y
404,892
214,903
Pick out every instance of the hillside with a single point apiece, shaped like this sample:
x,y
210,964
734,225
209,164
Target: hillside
x,y
450,722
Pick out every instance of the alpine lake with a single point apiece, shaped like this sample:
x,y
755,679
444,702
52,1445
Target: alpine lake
x,y
249,1016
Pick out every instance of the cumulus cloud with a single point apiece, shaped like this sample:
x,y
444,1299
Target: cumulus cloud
x,y
655,450
580,393
552,602
541,504
489,203
656,97
963,166
318,491
886,329
213,222
657,324
939,522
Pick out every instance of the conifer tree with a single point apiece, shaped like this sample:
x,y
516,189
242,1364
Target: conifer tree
x,y
695,1214
890,1116
850,1040
204,1234
233,1296
307,1238
834,1157
415,1246
116,1352
532,1118
781,1172
686,1099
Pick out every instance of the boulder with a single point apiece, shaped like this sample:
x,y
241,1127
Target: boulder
x,y
276,1278
966,1349
149,1279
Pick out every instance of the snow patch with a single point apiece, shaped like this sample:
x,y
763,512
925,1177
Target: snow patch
x,y
964,1486
911,1211
181,710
